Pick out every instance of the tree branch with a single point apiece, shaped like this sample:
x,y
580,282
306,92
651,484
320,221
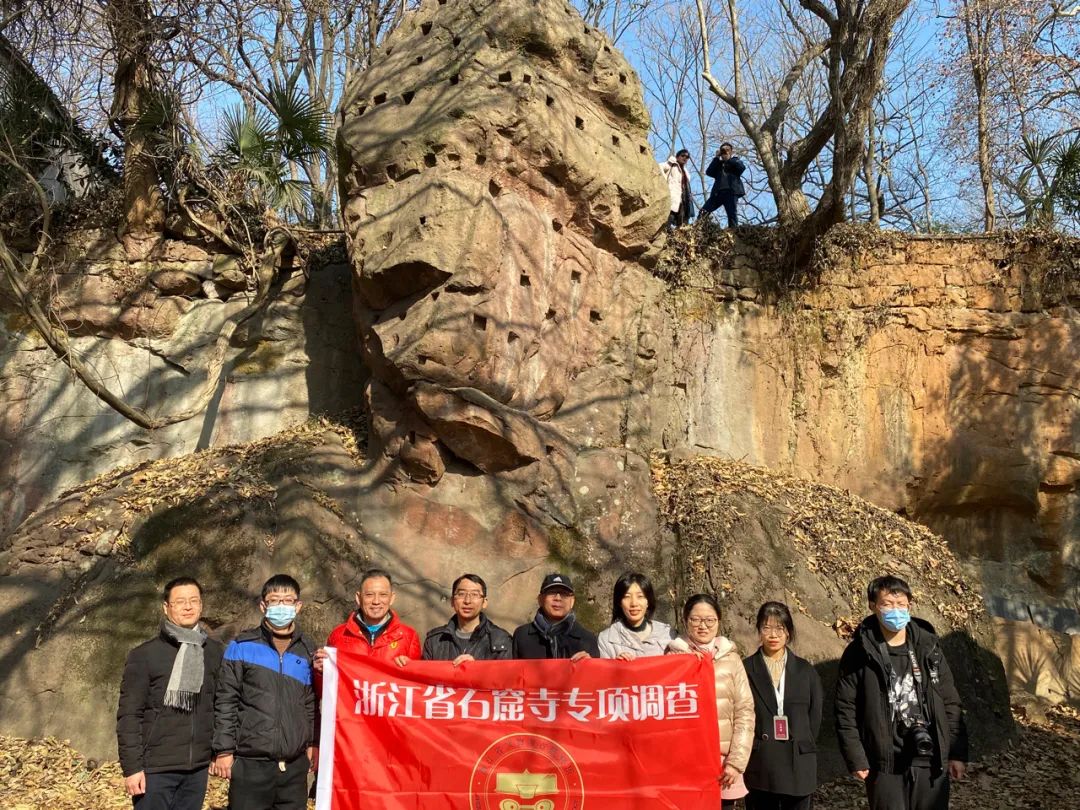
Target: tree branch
x,y
706,71
275,243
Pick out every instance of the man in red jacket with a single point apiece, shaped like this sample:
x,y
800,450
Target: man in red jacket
x,y
374,629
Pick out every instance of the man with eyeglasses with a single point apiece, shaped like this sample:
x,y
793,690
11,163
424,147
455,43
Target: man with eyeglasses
x,y
469,635
165,718
898,714
554,631
374,629
265,728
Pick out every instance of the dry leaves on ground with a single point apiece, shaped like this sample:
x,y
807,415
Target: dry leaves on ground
x,y
841,537
1039,772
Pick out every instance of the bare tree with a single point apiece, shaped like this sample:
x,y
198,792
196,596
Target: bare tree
x,y
616,17
120,36
978,20
130,25
256,48
849,42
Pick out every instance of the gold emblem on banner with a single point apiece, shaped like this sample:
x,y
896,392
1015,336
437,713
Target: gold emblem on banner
x,y
526,772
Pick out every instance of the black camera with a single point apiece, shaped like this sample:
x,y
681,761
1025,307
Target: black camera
x,y
918,737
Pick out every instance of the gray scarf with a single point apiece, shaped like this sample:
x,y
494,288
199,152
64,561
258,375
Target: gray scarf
x,y
552,633
186,679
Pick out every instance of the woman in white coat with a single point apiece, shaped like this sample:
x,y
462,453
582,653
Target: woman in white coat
x,y
674,171
633,633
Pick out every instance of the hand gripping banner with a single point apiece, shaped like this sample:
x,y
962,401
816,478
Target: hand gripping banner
x,y
518,735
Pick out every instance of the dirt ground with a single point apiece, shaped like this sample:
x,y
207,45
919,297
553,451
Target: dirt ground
x,y
1038,772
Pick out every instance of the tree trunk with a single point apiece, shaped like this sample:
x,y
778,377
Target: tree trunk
x,y
983,136
869,170
129,25
977,24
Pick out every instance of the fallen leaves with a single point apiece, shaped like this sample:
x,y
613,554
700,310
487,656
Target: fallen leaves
x,y
107,506
842,539
49,774
1037,773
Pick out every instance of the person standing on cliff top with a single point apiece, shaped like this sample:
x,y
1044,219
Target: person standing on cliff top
x,y
726,169
165,719
554,631
678,182
265,724
898,715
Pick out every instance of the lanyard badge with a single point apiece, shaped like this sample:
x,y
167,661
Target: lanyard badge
x,y
780,728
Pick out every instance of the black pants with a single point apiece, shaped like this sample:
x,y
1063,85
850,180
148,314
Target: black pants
x,y
173,790
763,800
915,789
259,784
725,198
677,219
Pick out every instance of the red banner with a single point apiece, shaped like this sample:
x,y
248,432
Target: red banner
x,y
518,735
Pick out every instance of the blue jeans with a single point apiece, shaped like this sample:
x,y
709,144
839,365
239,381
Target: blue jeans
x,y
173,790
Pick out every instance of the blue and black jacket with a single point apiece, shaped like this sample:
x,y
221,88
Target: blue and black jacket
x,y
265,703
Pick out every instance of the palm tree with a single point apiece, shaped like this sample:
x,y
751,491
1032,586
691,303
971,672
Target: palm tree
x,y
263,148
1050,177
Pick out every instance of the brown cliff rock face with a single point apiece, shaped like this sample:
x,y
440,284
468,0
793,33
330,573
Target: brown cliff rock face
x,y
496,176
934,377
501,202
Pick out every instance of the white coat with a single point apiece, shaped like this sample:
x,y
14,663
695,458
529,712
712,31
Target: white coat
x,y
674,174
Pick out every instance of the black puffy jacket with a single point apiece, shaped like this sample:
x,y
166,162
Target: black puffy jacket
x,y
265,703
489,642
864,722
151,736
571,639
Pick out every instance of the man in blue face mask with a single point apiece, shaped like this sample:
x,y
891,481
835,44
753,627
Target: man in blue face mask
x,y
898,714
265,720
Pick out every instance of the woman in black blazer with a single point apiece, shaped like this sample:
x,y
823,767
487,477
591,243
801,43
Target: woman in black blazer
x,y
782,773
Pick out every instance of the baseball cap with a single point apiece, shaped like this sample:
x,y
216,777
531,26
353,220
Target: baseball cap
x,y
556,581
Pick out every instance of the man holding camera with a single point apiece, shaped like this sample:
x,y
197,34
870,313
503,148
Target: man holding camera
x,y
898,714
726,169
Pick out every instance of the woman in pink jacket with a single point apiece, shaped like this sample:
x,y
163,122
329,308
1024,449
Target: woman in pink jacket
x,y
734,700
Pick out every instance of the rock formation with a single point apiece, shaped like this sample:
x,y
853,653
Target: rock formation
x,y
937,378
520,366
497,178
501,202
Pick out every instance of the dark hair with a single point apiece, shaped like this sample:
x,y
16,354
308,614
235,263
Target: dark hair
x,y
697,599
176,583
887,584
472,578
375,573
727,143
683,152
622,585
778,611
280,582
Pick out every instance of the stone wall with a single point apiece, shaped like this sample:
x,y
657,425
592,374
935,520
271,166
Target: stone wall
x,y
145,324
936,377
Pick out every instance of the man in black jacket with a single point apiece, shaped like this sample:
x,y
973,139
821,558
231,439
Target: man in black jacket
x,y
554,631
898,714
469,635
166,714
265,719
726,169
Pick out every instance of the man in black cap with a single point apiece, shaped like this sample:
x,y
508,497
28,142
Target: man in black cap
x,y
554,632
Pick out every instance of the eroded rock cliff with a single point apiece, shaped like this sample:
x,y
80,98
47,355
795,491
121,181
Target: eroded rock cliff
x,y
521,360
934,377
